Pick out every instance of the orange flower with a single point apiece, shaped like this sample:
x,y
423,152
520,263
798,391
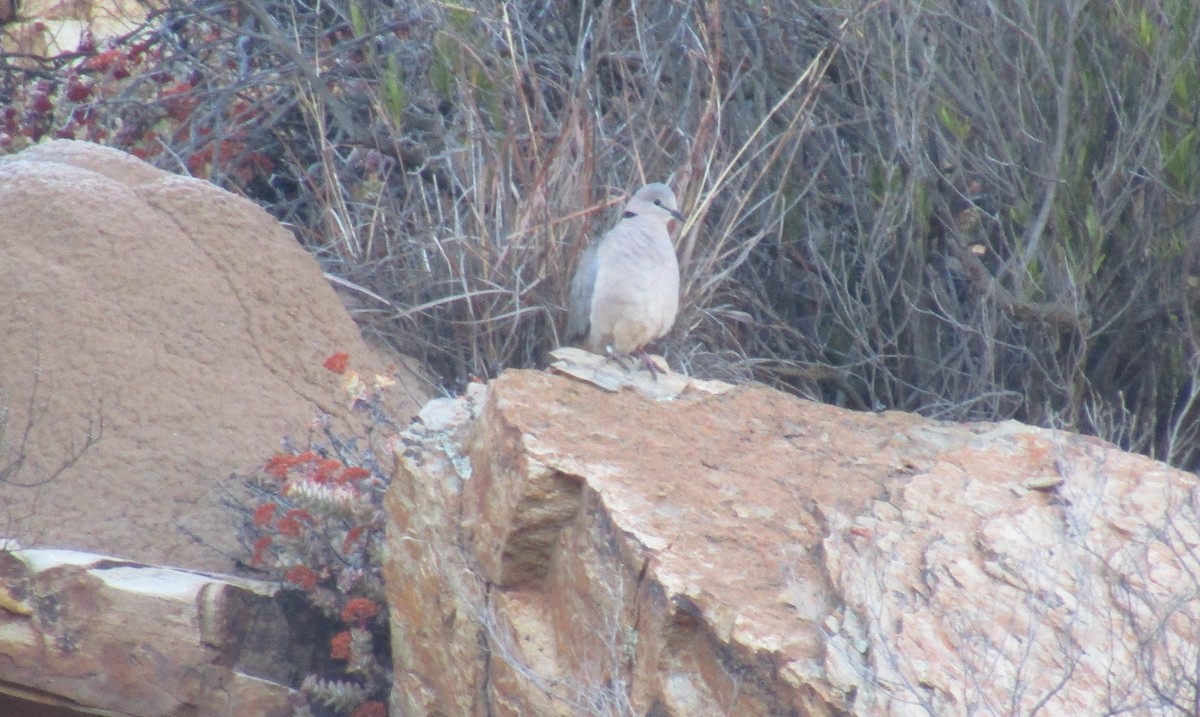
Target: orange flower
x,y
326,469
279,465
293,522
339,646
352,473
302,577
263,514
337,362
358,610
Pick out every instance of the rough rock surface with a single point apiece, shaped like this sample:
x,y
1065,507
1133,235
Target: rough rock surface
x,y
82,632
559,550
179,324
50,27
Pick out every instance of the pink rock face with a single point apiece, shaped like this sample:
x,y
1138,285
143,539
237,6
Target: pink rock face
x,y
556,549
181,317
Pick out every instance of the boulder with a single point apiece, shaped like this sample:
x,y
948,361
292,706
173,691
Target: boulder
x,y
51,27
158,334
88,634
557,549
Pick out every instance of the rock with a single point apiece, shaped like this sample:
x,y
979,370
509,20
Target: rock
x,y
51,27
610,375
556,549
177,324
84,632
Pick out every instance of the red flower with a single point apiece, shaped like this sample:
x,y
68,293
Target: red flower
x,y
40,102
77,90
339,646
178,102
260,550
352,473
120,69
139,49
326,469
263,163
352,537
289,527
301,515
293,522
337,362
358,610
103,61
263,514
279,465
302,577
370,709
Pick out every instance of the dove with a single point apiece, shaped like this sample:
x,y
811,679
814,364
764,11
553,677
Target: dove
x,y
625,291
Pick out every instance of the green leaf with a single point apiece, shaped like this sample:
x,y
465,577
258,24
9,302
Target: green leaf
x,y
958,125
460,16
441,70
395,93
1180,162
1145,29
1091,222
358,22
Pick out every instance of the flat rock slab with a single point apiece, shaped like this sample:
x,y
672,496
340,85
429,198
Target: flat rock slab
x,y
92,634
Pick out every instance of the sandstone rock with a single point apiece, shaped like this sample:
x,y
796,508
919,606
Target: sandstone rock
x,y
176,322
85,632
556,549
51,27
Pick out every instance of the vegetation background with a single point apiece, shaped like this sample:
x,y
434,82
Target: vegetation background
x,y
971,210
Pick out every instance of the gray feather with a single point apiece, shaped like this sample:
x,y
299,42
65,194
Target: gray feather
x,y
579,301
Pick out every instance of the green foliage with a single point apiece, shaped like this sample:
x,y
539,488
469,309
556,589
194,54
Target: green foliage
x,y
459,73
1182,152
1146,31
358,20
958,125
395,97
443,69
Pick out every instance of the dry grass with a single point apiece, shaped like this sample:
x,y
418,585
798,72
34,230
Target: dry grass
x,y
978,211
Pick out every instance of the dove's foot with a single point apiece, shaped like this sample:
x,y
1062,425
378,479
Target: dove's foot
x,y
644,360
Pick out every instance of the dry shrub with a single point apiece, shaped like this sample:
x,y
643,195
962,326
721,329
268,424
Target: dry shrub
x,y
978,210
1005,226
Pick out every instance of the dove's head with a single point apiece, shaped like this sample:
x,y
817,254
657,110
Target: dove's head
x,y
654,200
